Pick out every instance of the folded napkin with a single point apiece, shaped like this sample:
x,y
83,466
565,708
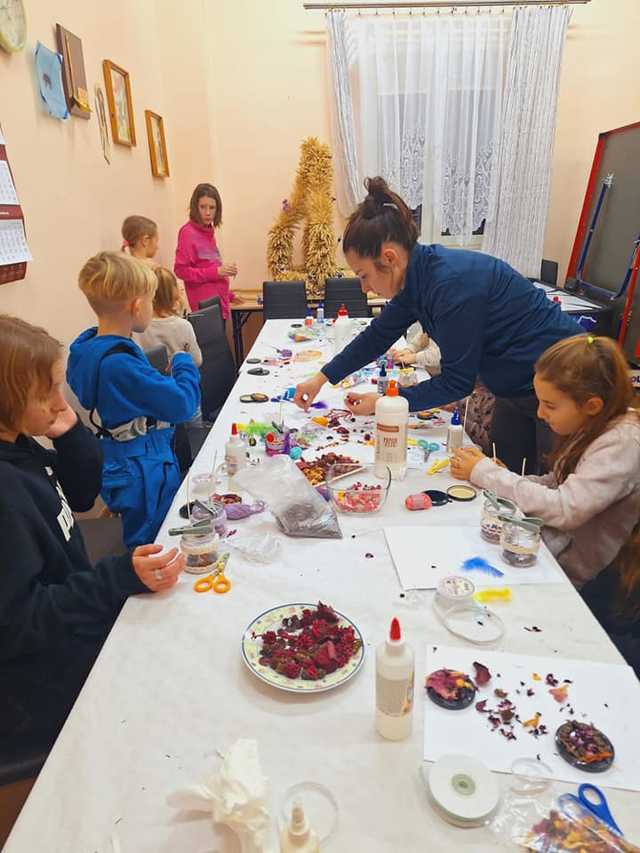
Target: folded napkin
x,y
235,796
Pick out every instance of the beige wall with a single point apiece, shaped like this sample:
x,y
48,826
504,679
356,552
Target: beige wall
x,y
599,90
73,201
240,83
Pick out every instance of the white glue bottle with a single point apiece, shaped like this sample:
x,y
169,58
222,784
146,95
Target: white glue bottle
x,y
341,328
395,672
235,453
392,418
455,433
298,836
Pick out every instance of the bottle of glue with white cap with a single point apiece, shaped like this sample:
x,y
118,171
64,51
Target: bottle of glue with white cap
x,y
395,672
297,836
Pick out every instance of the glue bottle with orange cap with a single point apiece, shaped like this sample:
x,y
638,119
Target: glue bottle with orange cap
x,y
395,674
392,419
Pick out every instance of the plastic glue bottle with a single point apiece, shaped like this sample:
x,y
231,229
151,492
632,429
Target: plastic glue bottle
x,y
235,453
395,672
341,329
455,433
383,380
297,836
392,418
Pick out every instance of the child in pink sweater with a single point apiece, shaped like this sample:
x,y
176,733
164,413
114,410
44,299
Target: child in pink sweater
x,y
590,502
198,262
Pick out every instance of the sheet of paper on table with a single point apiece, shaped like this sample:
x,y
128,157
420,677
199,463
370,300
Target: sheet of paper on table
x,y
607,695
423,556
8,193
13,242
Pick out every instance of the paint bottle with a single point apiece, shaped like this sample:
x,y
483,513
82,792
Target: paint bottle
x,y
235,453
383,380
392,418
320,313
455,433
395,672
341,329
298,836
308,320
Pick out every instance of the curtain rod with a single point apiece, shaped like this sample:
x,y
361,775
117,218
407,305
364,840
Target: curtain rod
x,y
443,4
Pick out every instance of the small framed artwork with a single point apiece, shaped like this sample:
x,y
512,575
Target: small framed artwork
x,y
157,145
74,76
118,89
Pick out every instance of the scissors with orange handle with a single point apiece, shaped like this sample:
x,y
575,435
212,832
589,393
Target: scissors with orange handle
x,y
217,580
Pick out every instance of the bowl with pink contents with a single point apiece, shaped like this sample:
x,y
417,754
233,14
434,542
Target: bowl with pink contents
x,y
355,489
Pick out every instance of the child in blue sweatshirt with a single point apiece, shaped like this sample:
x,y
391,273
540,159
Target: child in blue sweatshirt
x,y
136,405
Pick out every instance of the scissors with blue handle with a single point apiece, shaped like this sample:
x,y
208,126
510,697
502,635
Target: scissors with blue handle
x,y
593,800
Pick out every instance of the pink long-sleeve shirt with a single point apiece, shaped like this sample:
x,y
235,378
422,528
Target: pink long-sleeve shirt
x,y
198,263
589,516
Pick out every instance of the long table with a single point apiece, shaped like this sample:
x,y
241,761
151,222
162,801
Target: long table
x,y
170,689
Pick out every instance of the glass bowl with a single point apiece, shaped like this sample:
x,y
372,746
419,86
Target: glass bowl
x,y
355,489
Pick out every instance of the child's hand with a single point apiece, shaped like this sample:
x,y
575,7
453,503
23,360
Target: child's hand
x,y
228,270
157,573
63,423
464,460
404,356
361,404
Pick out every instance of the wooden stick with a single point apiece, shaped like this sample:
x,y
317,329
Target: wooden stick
x,y
466,409
494,452
524,465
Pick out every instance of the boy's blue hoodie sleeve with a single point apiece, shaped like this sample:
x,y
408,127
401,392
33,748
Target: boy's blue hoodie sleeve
x,y
128,383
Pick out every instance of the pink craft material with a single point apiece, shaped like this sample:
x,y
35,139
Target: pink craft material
x,y
419,501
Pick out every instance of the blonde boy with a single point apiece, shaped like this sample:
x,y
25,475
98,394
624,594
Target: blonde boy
x,y
137,406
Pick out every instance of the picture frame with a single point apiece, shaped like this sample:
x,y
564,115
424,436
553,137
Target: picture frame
x,y
74,76
157,145
117,86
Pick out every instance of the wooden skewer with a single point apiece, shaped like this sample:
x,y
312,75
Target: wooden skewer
x,y
524,465
466,409
494,452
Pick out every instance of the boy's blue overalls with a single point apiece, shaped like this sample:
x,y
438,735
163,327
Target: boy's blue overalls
x,y
137,407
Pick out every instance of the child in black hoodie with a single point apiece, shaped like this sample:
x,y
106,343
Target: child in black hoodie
x,y
55,609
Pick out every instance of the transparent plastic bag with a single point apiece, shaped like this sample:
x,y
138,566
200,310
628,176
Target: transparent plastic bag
x,y
261,548
298,509
571,826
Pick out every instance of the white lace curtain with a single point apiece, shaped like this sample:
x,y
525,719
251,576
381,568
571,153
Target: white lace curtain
x,y
436,103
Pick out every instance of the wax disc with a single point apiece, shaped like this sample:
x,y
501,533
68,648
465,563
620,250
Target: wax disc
x,y
579,743
461,492
463,790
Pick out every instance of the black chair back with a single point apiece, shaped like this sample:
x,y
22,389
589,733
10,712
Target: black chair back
x,y
218,371
549,272
347,292
207,303
284,300
158,358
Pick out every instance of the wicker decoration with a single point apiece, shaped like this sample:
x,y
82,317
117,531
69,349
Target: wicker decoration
x,y
310,202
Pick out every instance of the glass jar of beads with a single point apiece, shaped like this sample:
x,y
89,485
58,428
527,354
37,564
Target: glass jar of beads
x,y
520,540
490,523
200,551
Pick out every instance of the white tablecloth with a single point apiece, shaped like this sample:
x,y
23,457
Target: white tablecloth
x,y
170,689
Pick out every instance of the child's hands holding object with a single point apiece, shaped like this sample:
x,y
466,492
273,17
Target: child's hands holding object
x,y
228,270
404,356
464,460
157,572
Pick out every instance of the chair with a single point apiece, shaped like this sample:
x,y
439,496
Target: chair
x,y
218,371
158,358
549,272
347,292
20,763
284,300
207,303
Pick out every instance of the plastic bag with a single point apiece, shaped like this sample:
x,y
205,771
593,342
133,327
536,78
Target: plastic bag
x,y
574,828
298,509
262,548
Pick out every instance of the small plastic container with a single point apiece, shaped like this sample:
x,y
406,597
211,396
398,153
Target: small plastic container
x,y
201,552
356,489
520,541
407,377
490,523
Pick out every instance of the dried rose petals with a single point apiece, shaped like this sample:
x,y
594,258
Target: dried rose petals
x,y
533,722
482,674
560,693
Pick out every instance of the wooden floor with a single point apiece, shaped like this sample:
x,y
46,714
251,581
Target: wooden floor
x,y
12,798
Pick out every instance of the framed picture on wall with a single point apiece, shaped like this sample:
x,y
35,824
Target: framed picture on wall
x,y
118,88
157,145
74,76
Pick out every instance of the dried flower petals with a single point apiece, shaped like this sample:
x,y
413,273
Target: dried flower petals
x,y
560,693
536,677
533,722
482,674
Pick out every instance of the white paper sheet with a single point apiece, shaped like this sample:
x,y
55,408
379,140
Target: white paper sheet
x,y
606,695
8,193
13,242
424,555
